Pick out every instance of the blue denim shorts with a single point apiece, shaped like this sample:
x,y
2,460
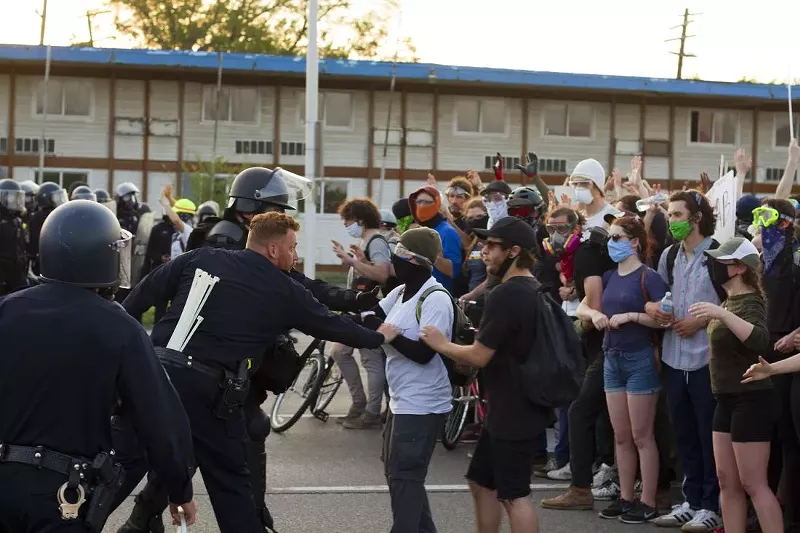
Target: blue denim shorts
x,y
631,372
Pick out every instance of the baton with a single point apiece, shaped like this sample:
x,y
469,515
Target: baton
x,y
181,528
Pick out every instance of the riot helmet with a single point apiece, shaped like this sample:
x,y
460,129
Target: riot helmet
x,y
525,203
12,197
207,209
83,192
82,244
51,195
226,234
102,196
127,196
257,190
31,189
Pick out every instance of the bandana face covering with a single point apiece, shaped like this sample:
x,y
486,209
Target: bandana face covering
x,y
773,240
497,209
424,213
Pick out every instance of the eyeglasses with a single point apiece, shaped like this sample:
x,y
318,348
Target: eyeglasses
x,y
420,201
558,228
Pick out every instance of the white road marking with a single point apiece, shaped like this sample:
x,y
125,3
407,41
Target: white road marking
x,y
378,489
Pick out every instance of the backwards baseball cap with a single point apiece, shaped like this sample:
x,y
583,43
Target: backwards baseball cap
x,y
512,230
737,248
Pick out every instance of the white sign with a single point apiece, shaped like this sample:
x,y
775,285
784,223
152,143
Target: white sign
x,y
722,197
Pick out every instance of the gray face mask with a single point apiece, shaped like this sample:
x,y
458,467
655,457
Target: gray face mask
x,y
557,241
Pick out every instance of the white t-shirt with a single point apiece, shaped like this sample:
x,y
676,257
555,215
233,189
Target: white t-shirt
x,y
180,240
598,219
416,389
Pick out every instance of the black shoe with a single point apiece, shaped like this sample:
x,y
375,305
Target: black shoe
x,y
145,518
639,514
616,509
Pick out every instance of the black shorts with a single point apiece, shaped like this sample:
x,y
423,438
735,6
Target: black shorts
x,y
503,465
747,416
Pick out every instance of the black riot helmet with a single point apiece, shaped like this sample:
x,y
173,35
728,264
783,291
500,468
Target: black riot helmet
x,y
228,235
51,195
31,189
12,197
83,192
82,244
207,209
102,195
127,196
257,190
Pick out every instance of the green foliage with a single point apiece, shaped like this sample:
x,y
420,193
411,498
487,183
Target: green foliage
x,y
277,27
211,180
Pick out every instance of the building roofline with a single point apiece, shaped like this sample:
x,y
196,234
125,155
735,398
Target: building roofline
x,y
405,72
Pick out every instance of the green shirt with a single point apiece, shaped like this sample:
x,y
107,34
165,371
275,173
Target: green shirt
x,y
730,357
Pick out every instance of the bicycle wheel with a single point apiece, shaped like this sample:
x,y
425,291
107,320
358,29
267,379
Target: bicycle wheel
x,y
304,390
454,423
330,387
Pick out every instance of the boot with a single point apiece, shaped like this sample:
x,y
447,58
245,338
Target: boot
x,y
145,518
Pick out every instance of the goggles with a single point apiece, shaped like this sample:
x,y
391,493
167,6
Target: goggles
x,y
552,229
457,191
766,216
404,253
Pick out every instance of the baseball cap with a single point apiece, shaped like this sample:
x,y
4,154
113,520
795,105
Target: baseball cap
x,y
611,216
737,248
513,230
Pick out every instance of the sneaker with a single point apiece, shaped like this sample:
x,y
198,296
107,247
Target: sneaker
x,y
574,499
639,514
703,522
616,509
609,491
354,412
365,421
562,474
551,465
678,516
605,473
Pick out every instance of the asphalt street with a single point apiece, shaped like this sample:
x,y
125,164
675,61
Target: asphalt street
x,y
323,478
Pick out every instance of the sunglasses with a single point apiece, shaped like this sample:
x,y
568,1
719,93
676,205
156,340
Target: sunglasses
x,y
617,237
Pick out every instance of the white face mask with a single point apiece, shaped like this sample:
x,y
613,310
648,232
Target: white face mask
x,y
355,230
497,209
583,195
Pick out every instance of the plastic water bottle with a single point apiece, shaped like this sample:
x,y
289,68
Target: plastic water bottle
x,y
666,303
643,204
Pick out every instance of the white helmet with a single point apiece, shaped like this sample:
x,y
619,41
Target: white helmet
x,y
589,169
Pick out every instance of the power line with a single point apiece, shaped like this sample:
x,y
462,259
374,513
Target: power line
x,y
681,53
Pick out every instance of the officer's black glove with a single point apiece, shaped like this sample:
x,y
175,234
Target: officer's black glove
x,y
533,166
367,299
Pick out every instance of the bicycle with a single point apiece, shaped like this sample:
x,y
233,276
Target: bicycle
x,y
316,384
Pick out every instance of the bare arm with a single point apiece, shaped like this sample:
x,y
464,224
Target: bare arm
x,y
375,271
784,188
476,354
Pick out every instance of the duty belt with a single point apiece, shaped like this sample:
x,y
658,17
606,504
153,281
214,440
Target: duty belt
x,y
41,457
181,360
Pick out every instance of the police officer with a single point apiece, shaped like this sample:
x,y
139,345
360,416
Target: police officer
x,y
57,466
50,196
13,237
105,199
31,189
83,192
206,210
137,218
249,307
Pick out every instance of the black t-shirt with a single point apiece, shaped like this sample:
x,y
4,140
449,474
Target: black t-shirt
x,y
781,296
545,271
590,261
508,328
662,239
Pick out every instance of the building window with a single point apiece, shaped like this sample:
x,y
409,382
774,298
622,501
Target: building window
x,y
781,136
509,163
64,98
335,110
236,104
568,120
774,174
713,127
481,116
555,166
330,193
253,147
64,178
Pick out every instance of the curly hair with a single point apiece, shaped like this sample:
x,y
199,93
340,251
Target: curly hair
x,y
475,201
462,183
363,210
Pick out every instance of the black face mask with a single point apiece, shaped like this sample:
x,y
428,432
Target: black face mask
x,y
478,223
719,272
505,266
409,274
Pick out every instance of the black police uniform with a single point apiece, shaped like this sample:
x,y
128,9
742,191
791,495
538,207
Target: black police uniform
x,y
236,325
13,251
59,389
159,248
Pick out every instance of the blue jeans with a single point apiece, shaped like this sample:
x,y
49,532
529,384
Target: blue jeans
x,y
631,372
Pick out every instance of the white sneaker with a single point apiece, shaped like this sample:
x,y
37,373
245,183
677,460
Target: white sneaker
x,y
680,515
703,521
609,491
605,473
562,474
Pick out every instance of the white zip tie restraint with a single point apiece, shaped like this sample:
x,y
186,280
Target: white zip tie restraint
x,y
202,285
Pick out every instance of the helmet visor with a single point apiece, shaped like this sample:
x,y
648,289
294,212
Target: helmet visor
x,y
58,197
92,197
289,189
124,246
13,200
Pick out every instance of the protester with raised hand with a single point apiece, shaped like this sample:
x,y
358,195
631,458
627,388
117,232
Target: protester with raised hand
x,y
746,412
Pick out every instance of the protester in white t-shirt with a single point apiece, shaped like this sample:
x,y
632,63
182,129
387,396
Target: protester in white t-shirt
x,y
419,388
181,214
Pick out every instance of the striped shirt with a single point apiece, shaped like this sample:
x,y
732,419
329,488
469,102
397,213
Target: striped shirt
x,y
691,284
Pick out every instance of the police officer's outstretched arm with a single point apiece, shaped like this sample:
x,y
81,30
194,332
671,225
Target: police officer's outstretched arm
x,y
336,298
159,418
160,285
313,318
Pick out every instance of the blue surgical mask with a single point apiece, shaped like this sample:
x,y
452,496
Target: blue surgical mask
x,y
620,250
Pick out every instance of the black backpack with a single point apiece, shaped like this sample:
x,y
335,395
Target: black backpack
x,y
552,374
672,255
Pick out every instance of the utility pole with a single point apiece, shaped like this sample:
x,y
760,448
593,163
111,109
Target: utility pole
x,y
89,20
681,53
43,16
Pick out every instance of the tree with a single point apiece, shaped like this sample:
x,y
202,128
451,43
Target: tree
x,y
210,180
277,27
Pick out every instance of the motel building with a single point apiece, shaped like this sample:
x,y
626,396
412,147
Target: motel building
x,y
148,117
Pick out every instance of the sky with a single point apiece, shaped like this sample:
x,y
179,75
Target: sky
x,y
732,39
